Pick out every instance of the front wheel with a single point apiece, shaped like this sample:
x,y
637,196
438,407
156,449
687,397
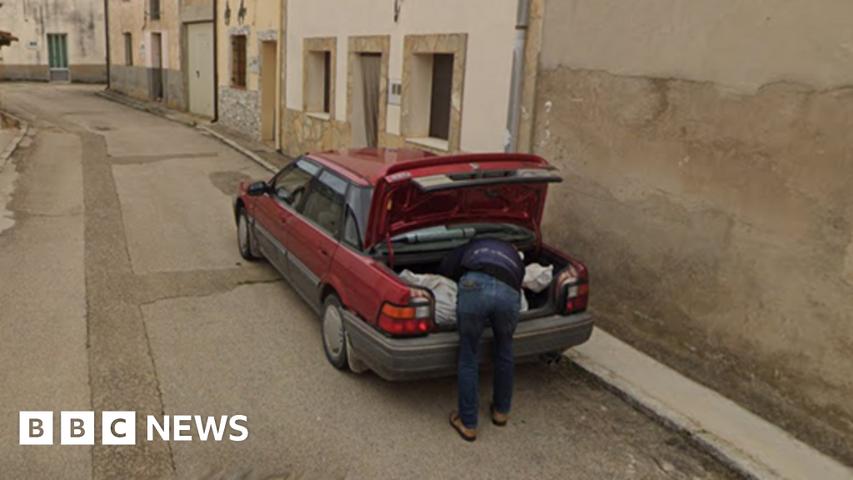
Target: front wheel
x,y
334,336
244,237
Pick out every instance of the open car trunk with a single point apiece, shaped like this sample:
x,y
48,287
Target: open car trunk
x,y
420,212
539,304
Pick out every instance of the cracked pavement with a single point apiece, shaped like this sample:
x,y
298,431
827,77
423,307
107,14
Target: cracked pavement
x,y
121,288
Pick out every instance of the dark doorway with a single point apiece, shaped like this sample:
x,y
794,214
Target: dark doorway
x,y
156,66
368,83
442,86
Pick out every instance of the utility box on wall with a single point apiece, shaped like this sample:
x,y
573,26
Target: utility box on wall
x,y
395,91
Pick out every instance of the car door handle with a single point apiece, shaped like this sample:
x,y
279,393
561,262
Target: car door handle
x,y
324,252
283,218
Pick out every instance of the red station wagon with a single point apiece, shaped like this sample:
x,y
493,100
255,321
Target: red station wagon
x,y
341,226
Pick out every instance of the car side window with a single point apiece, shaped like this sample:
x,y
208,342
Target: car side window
x,y
324,204
351,235
290,184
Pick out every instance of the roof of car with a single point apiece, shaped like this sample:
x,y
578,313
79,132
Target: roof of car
x,y
372,164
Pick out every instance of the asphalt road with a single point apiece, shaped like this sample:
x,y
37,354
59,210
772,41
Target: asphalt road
x,y
121,288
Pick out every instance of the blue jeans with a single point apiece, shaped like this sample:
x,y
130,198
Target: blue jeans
x,y
483,299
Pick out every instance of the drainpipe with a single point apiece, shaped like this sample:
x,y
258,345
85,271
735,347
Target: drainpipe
x,y
107,33
514,115
215,60
281,65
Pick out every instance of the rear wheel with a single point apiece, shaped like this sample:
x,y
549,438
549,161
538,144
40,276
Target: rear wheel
x,y
334,335
244,237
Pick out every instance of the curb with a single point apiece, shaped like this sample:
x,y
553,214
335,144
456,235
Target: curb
x,y
23,128
239,148
142,106
720,451
185,120
739,439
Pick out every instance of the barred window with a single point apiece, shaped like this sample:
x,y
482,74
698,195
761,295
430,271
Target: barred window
x,y
238,61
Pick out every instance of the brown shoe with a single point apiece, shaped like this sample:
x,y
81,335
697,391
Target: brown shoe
x,y
498,418
467,434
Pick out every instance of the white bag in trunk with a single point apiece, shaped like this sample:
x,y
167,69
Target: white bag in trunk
x,y
444,291
537,277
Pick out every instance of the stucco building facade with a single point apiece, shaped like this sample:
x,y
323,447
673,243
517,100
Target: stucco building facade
x,y
249,59
434,75
60,40
164,50
708,160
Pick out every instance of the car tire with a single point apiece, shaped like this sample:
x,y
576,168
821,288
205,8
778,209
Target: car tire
x,y
245,240
334,335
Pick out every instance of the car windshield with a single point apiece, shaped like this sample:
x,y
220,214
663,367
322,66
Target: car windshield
x,y
443,237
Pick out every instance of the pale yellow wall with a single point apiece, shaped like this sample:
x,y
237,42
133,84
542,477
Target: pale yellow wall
x,y
709,163
129,16
261,16
490,25
82,20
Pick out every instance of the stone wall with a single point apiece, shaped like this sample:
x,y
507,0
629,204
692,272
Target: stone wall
x,y
135,81
41,73
14,72
130,80
304,133
240,110
175,89
88,73
708,162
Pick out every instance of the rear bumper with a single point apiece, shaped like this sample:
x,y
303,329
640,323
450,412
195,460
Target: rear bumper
x,y
435,354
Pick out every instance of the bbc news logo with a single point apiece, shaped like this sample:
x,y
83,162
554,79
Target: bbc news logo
x,y
119,428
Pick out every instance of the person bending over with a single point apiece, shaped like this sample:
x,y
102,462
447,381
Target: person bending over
x,y
489,273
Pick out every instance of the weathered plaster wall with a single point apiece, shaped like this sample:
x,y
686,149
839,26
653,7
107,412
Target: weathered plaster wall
x,y
196,10
135,80
32,20
709,165
261,22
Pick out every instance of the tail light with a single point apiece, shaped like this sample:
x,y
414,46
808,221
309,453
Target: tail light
x,y
415,318
573,285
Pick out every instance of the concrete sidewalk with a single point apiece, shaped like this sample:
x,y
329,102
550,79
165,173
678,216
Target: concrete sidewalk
x,y
735,436
256,151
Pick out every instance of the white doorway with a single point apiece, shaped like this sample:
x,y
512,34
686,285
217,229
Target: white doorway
x,y
200,68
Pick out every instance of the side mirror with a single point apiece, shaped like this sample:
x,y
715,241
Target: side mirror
x,y
257,189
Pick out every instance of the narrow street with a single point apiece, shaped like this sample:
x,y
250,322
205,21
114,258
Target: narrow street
x,y
123,289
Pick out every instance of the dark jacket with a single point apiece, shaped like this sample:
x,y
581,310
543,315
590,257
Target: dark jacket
x,y
490,256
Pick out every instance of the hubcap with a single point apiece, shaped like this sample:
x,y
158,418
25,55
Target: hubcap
x,y
333,332
243,234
